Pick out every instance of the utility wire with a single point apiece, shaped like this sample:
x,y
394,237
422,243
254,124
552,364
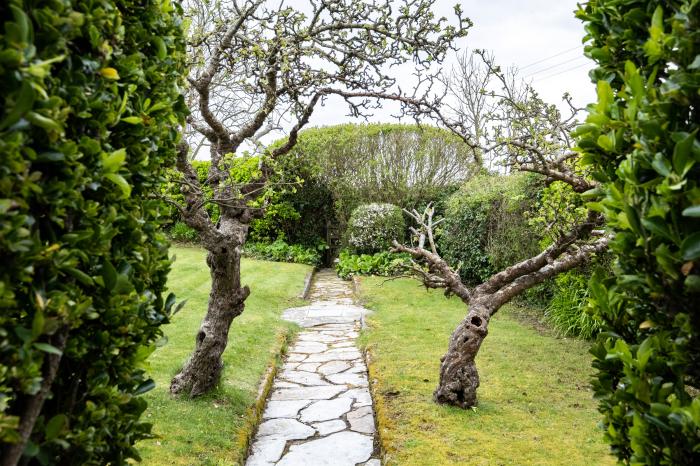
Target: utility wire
x,y
550,57
562,72
556,65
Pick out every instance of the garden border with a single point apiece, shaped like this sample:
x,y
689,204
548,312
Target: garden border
x,y
254,413
381,418
307,283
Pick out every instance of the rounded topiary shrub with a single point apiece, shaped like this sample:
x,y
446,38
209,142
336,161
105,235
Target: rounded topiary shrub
x,y
372,228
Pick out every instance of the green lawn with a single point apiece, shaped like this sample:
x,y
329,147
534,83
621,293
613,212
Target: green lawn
x,y
206,431
535,405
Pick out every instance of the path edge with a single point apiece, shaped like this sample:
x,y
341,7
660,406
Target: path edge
x,y
254,413
307,283
382,422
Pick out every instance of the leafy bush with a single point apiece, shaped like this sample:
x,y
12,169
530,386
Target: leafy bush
x,y
241,169
567,311
88,122
280,251
183,233
373,227
296,206
385,264
486,225
641,138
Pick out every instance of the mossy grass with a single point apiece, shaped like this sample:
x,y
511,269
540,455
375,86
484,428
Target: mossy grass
x,y
535,403
214,429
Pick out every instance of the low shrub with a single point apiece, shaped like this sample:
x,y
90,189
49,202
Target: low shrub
x,y
567,311
280,251
183,233
373,227
384,264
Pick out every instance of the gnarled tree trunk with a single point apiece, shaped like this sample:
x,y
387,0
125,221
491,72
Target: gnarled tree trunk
x,y
459,378
226,302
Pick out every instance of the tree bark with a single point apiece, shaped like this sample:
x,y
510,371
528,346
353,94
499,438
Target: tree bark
x,y
226,302
459,378
12,454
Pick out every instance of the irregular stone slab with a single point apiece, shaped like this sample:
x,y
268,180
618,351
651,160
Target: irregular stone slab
x,y
357,368
354,351
308,366
372,462
324,392
336,327
333,367
318,336
290,408
290,366
303,378
283,384
340,449
266,451
343,344
358,380
323,313
348,355
362,420
289,429
360,395
325,410
329,427
296,357
309,347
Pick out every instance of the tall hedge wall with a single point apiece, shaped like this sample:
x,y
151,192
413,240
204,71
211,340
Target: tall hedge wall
x,y
641,137
88,123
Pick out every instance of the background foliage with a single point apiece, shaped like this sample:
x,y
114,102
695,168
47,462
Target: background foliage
x,y
398,164
383,264
641,137
486,225
88,122
373,227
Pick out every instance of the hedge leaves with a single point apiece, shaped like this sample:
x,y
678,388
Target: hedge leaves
x,y
88,123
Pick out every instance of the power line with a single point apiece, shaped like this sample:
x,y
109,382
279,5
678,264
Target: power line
x,y
550,57
556,65
562,72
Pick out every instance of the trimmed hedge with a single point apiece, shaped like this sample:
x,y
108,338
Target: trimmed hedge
x,y
373,227
641,138
88,123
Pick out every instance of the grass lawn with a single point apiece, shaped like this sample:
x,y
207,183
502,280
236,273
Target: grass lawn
x,y
535,406
206,431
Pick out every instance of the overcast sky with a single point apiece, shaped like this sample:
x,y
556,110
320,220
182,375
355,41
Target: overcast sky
x,y
542,37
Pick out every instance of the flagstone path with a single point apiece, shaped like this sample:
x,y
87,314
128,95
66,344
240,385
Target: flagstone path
x,y
320,410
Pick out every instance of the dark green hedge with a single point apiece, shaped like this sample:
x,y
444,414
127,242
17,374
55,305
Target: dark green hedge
x,y
88,123
641,137
486,225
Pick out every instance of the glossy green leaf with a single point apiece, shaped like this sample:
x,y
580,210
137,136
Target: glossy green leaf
x,y
121,183
47,348
690,248
55,425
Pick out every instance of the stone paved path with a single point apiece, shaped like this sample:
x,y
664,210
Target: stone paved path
x,y
320,409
